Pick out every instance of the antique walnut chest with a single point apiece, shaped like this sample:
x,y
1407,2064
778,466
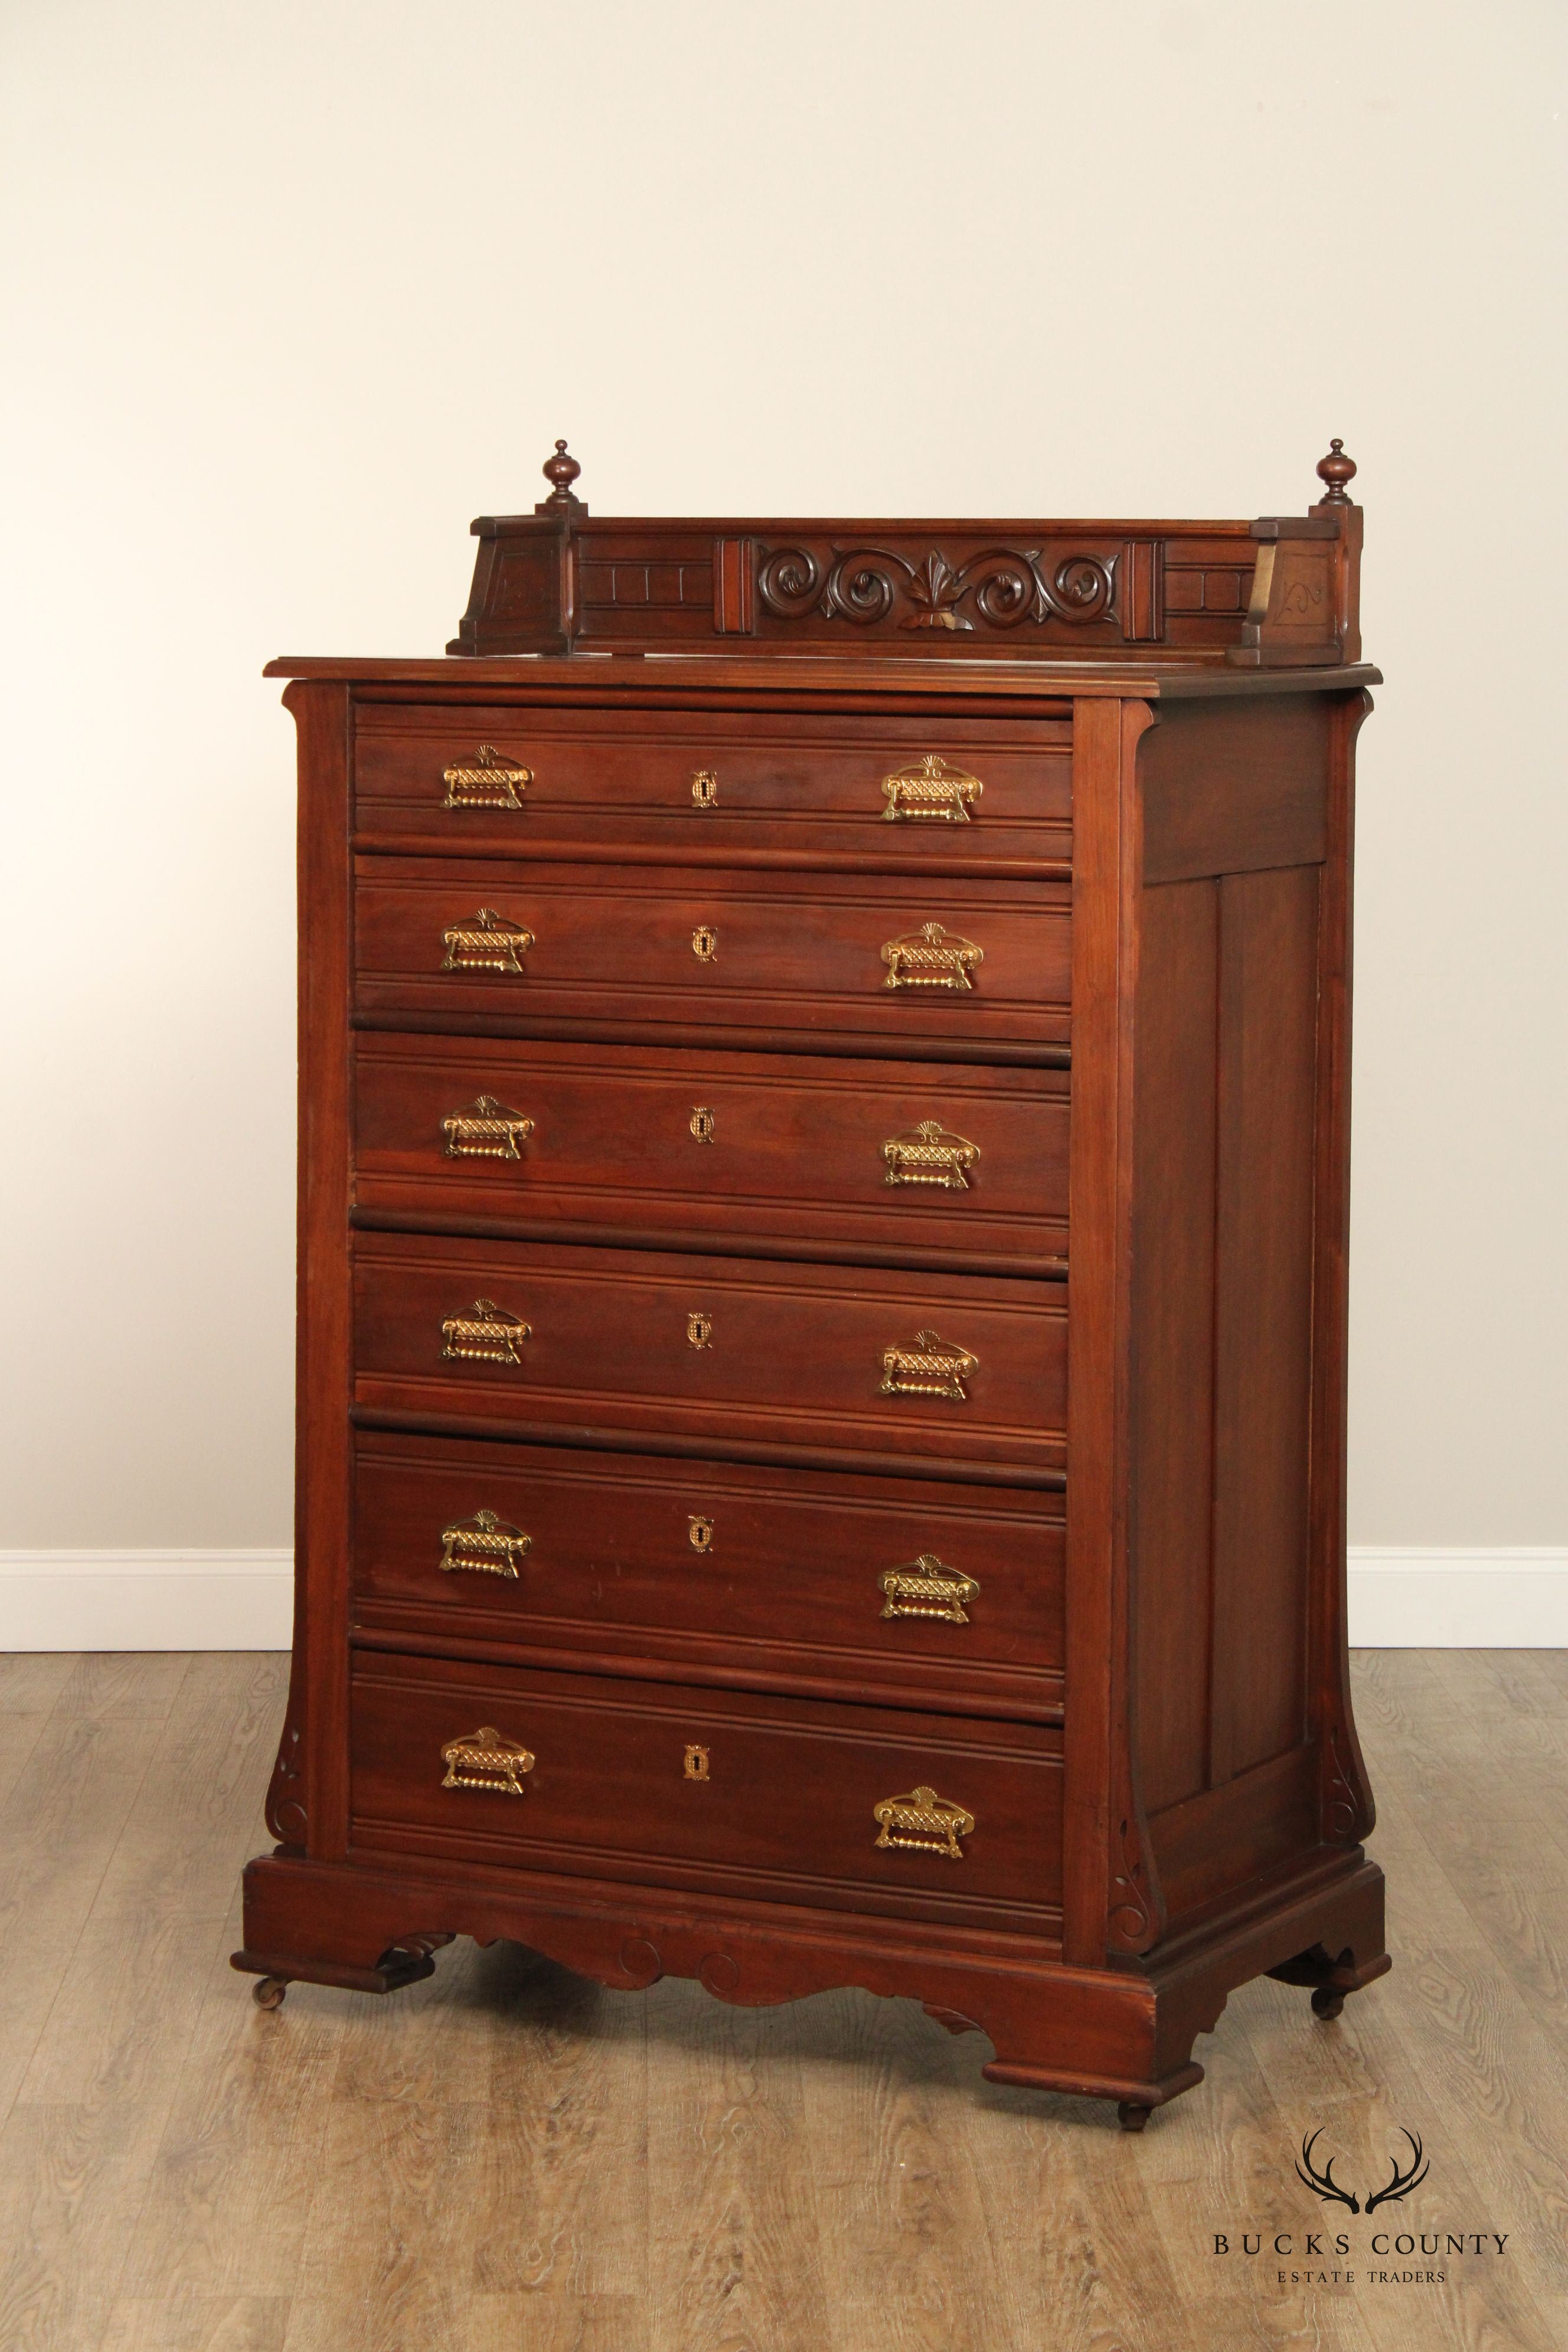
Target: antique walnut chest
x,y
824,1053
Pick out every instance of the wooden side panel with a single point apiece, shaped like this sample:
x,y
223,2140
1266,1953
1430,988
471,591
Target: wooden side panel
x,y
1237,788
1110,1897
1243,871
1173,1354
1346,1813
1268,1027
308,1802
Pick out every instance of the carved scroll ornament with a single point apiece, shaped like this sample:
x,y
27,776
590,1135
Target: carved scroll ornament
x,y
1001,587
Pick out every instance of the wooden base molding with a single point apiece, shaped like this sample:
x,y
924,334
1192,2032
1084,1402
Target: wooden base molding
x,y
1124,2033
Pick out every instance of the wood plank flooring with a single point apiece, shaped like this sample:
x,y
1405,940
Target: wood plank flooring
x,y
508,2160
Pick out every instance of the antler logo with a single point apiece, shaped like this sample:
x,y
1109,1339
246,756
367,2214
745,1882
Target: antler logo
x,y
1323,2184
1402,2183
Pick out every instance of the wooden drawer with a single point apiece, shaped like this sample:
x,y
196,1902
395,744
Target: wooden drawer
x,y
784,1808
748,1352
824,1154
911,1593
502,945
713,784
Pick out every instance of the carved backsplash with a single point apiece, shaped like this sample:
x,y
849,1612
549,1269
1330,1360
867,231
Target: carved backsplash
x,y
559,581
996,588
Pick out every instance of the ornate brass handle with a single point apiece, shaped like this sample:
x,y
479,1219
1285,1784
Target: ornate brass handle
x,y
922,1823
704,789
931,788
486,942
493,782
488,1335
487,1546
927,1586
483,1759
486,1130
930,1154
931,958
930,1367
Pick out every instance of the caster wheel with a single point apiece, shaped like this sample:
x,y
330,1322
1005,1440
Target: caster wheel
x,y
1326,2002
1131,2116
267,1992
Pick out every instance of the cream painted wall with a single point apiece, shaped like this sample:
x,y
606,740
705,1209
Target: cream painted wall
x,y
297,289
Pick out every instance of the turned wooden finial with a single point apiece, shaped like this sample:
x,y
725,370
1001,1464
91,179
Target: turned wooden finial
x,y
1333,471
560,471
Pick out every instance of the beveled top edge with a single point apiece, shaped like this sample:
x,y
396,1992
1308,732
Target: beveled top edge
x,y
636,676
586,525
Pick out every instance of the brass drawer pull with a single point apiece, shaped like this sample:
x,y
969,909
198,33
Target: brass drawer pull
x,y
927,1586
704,789
486,1130
705,943
922,1823
932,790
483,1759
931,958
696,1766
930,1367
487,1336
487,1546
930,1154
698,1532
701,1122
699,1331
486,942
493,782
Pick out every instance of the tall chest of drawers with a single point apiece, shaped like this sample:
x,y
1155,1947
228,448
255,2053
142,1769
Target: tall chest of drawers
x,y
821,1278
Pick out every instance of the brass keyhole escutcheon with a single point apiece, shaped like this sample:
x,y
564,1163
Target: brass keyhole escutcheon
x,y
698,1532
704,788
698,1330
701,1122
705,943
696,1762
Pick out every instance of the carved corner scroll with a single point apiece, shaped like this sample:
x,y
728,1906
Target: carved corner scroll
x,y
1345,1804
286,1810
1135,1908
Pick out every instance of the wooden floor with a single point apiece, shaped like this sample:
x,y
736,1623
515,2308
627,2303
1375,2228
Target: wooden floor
x,y
506,2156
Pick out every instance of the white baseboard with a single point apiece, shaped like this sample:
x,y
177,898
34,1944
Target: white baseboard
x,y
1402,1597
146,1599
1471,1597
